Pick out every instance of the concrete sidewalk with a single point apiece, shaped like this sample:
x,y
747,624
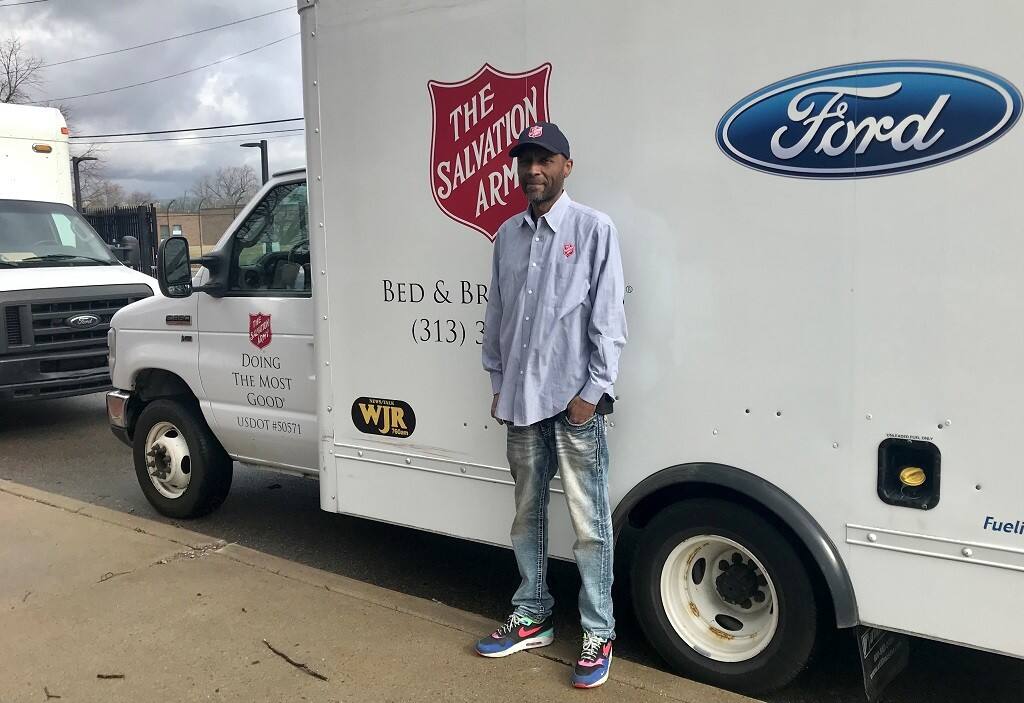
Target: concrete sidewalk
x,y
97,605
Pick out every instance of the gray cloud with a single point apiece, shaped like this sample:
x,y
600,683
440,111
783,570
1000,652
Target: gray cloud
x,y
260,86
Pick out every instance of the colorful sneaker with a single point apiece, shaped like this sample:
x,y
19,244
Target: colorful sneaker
x,y
518,633
595,661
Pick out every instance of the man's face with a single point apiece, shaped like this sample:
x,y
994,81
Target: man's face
x,y
542,173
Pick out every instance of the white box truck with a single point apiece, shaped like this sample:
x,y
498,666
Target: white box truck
x,y
59,282
818,400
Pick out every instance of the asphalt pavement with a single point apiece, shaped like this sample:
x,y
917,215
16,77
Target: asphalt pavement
x,y
64,447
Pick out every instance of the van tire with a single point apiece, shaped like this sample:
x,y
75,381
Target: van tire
x,y
194,475
680,546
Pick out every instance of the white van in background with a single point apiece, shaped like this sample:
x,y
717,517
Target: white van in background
x,y
59,282
35,161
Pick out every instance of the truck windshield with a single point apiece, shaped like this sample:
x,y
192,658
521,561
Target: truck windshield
x,y
35,234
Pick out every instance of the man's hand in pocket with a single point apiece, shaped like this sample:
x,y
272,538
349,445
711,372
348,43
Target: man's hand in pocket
x,y
579,411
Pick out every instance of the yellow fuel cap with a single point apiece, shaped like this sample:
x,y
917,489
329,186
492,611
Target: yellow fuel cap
x,y
912,476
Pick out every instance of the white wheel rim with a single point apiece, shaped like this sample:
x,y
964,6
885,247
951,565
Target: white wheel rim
x,y
168,460
699,598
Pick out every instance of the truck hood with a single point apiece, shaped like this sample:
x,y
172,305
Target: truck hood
x,y
68,276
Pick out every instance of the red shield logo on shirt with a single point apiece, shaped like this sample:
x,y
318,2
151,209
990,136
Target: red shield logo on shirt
x,y
260,333
568,250
476,121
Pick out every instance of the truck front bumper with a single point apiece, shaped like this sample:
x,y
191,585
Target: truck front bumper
x,y
53,374
117,414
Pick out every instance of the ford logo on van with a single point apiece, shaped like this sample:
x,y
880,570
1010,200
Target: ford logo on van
x,y
869,119
83,322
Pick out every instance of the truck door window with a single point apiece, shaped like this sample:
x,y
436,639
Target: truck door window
x,y
270,250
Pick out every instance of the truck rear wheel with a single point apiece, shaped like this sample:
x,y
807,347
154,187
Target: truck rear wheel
x,y
180,465
724,597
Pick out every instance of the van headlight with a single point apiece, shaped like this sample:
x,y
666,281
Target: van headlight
x,y
111,348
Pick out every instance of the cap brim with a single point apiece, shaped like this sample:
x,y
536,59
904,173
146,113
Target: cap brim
x,y
515,151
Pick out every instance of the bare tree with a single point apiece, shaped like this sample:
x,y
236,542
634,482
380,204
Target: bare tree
x,y
102,193
229,186
19,72
99,193
140,197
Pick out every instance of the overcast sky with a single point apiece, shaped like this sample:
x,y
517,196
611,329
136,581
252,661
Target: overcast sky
x,y
263,85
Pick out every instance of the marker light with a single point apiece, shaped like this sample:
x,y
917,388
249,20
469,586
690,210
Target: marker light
x,y
42,148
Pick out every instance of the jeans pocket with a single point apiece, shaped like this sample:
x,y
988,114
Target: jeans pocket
x,y
585,425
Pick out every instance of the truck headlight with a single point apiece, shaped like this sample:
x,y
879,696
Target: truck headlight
x,y
111,349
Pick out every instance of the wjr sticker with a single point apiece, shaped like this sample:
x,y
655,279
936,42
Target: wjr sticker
x,y
869,119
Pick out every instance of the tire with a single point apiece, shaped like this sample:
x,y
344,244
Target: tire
x,y
189,473
680,588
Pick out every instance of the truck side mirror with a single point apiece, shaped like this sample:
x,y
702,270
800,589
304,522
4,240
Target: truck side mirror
x,y
174,269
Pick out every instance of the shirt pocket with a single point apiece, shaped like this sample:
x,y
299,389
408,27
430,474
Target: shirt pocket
x,y
571,285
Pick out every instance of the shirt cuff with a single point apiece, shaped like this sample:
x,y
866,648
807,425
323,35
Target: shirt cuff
x,y
496,378
591,393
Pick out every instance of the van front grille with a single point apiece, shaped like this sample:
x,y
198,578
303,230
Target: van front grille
x,y
12,324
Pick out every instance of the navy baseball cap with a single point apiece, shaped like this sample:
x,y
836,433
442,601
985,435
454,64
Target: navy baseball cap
x,y
546,135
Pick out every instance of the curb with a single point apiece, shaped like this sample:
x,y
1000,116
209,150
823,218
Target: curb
x,y
171,533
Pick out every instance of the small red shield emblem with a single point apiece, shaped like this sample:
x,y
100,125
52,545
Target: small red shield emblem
x,y
476,121
569,250
260,333
535,131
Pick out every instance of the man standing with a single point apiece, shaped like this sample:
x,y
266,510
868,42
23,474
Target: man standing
x,y
554,329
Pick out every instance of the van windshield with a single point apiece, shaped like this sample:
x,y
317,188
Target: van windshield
x,y
35,234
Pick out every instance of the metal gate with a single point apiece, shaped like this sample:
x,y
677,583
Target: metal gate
x,y
113,224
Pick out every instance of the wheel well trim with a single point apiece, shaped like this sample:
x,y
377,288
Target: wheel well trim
x,y
773,499
152,383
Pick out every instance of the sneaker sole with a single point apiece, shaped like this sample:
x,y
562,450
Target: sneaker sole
x,y
542,641
595,684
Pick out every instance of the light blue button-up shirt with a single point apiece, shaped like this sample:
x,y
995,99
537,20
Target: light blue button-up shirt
x,y
555,322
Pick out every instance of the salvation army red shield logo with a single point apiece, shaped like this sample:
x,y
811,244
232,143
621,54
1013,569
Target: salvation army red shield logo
x,y
476,121
260,333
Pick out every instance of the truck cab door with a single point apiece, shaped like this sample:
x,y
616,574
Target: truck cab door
x,y
256,341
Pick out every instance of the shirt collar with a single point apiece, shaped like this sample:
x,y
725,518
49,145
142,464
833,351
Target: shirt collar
x,y
554,216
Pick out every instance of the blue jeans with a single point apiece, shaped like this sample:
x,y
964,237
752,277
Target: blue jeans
x,y
580,455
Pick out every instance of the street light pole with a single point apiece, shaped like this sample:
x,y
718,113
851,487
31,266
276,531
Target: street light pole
x,y
264,166
167,214
75,160
200,215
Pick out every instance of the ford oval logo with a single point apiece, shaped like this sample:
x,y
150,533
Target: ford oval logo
x,y
869,119
83,322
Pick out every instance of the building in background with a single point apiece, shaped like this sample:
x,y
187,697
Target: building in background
x,y
187,224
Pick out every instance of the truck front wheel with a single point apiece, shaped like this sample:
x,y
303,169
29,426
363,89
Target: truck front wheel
x,y
724,597
182,468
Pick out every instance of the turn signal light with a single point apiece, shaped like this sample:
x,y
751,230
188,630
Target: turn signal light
x,y
42,148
